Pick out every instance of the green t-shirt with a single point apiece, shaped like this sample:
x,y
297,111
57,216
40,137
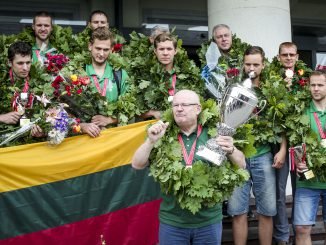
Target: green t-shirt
x,y
170,211
37,54
314,183
262,149
111,89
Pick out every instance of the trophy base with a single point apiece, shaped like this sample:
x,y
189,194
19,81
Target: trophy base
x,y
24,121
214,157
306,175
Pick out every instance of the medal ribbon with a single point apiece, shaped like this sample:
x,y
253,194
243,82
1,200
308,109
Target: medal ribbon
x,y
292,159
97,85
174,82
39,57
189,158
320,128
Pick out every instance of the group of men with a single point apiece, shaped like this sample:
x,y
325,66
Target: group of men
x,y
268,172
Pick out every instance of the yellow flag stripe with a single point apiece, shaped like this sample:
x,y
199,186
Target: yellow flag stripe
x,y
36,164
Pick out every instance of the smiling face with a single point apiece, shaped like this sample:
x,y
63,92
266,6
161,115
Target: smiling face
x,y
42,28
186,108
100,51
288,56
21,65
318,87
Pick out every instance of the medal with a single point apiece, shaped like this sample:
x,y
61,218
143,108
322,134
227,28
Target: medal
x,y
323,143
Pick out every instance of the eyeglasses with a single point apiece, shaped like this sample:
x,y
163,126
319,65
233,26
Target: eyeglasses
x,y
183,105
288,54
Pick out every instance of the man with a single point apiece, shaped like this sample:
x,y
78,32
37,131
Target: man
x,y
178,226
42,26
19,61
98,18
287,56
103,79
261,168
222,36
165,48
309,192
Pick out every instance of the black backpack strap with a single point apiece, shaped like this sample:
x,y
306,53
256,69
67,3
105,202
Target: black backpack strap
x,y
117,78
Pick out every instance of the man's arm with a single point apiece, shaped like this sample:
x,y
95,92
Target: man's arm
x,y
279,157
141,156
103,121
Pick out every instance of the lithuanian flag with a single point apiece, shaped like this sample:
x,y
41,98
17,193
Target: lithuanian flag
x,y
83,191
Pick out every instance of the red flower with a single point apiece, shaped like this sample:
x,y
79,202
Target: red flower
x,y
117,47
79,91
232,72
303,82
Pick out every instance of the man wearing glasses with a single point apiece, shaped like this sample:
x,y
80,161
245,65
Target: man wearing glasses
x,y
287,56
180,226
222,36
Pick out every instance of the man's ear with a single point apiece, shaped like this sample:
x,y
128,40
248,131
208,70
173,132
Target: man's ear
x,y
89,47
9,63
278,57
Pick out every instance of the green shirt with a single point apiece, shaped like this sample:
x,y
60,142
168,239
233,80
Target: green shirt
x,y
170,211
262,149
42,54
111,89
314,183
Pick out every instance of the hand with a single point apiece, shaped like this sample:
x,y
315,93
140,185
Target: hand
x,y
301,166
157,131
36,131
10,118
91,129
226,143
103,121
279,159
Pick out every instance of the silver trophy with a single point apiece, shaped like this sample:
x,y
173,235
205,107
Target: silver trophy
x,y
237,105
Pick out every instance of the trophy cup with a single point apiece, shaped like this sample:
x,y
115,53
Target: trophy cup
x,y
237,104
23,100
297,154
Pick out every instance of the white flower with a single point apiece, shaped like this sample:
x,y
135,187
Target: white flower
x,y
52,133
289,73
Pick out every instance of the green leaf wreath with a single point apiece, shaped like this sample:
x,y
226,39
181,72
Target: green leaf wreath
x,y
151,81
203,184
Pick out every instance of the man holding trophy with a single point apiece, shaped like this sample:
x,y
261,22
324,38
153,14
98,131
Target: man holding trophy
x,y
309,191
261,168
178,225
19,61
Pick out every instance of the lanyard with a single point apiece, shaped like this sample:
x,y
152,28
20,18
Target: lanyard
x,y
174,81
97,85
39,56
320,128
189,158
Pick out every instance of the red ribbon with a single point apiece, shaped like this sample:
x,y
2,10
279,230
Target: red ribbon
x,y
189,158
320,128
174,82
97,85
292,159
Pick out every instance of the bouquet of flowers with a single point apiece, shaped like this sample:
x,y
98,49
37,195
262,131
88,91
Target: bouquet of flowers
x,y
60,124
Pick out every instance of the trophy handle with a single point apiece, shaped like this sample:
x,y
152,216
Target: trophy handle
x,y
262,104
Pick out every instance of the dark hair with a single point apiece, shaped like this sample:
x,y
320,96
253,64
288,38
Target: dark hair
x,y
287,45
255,50
98,12
22,48
42,14
102,33
165,37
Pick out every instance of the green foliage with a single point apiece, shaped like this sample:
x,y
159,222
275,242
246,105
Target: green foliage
x,y
203,184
